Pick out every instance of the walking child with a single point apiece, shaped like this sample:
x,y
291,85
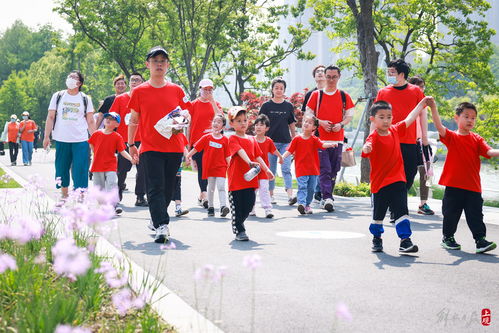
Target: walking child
x,y
461,177
216,156
104,144
305,149
266,144
388,180
245,154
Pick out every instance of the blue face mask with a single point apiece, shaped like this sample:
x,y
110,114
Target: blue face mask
x,y
25,117
391,79
12,120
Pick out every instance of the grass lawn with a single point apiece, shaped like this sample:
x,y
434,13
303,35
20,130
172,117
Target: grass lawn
x,y
11,182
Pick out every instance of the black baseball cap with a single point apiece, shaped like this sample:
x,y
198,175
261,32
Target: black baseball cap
x,y
156,51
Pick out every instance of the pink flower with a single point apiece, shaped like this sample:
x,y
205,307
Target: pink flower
x,y
170,246
342,312
204,273
70,260
252,261
122,300
113,279
7,262
219,273
70,329
21,229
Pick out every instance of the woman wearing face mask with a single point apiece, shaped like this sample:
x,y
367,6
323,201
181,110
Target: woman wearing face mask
x,y
27,128
13,138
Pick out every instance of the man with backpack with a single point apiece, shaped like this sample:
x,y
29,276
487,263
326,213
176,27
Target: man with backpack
x,y
70,120
334,109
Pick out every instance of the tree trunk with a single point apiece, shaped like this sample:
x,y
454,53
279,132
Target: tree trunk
x,y
369,62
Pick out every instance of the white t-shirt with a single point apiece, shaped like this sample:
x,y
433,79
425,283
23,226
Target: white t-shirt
x,y
70,125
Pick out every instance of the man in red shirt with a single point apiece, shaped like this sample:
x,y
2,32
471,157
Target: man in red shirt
x,y
120,106
202,112
151,102
13,138
334,109
403,98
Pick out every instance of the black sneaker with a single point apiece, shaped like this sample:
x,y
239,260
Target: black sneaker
x,y
118,210
449,243
205,203
241,236
301,209
425,210
406,246
211,211
292,201
377,244
224,210
483,245
141,202
318,196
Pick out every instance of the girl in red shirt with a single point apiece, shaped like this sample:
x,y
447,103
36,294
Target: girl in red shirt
x,y
245,154
216,156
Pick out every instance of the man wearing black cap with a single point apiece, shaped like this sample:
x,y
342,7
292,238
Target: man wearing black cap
x,y
149,103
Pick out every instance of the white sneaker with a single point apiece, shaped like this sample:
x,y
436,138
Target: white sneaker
x,y
268,213
272,200
328,205
252,213
151,226
162,234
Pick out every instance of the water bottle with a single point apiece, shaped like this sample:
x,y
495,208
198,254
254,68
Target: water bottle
x,y
248,176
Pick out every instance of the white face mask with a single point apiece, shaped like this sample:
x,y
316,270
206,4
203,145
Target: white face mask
x,y
391,79
71,83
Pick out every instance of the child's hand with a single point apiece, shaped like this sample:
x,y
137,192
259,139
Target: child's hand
x,y
270,174
133,161
430,101
281,160
368,147
187,162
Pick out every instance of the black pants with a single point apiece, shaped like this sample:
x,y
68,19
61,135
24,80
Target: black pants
x,y
410,157
241,204
177,193
124,166
393,196
203,183
161,170
455,200
13,151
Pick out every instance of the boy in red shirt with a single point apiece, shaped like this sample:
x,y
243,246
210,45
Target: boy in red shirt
x,y
266,144
104,144
245,154
461,176
388,180
305,149
216,156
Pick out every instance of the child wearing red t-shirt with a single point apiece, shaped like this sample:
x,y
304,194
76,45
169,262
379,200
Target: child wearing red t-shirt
x,y
245,154
461,176
104,144
388,180
266,144
216,156
305,148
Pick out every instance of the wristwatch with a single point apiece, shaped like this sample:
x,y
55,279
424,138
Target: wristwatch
x,y
342,125
131,145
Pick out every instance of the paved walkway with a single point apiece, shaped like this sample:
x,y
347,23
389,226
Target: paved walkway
x,y
311,264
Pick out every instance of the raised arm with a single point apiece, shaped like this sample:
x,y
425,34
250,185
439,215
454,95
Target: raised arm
x,y
493,152
413,115
436,118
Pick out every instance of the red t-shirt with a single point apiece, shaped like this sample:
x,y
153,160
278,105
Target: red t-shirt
x,y
153,104
12,131
462,164
120,106
330,108
267,148
215,155
105,148
202,115
238,167
387,165
28,125
403,102
306,155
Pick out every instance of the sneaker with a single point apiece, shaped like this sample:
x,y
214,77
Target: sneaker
x,y
252,213
292,201
268,213
205,203
179,212
224,211
392,221
162,234
328,205
25,164
200,202
118,210
377,244
141,202
272,200
318,196
425,210
449,243
301,209
241,236
406,246
308,210
60,203
13,163
151,226
483,245
211,211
